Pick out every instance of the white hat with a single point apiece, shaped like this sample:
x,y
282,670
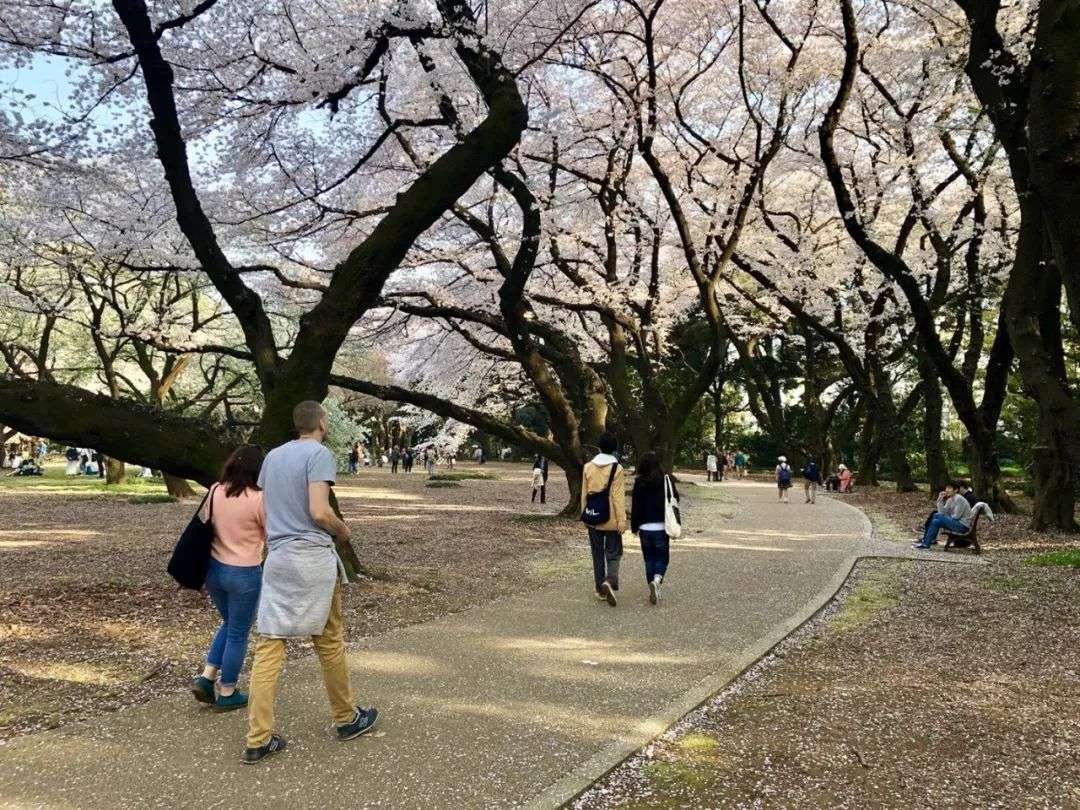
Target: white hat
x,y
782,459
841,467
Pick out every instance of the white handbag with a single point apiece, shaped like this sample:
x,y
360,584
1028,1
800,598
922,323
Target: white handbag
x,y
672,515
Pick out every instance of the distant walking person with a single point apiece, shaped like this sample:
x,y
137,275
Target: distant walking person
x,y
603,510
539,479
395,457
407,459
783,478
647,520
354,458
721,464
811,474
234,508
711,466
301,595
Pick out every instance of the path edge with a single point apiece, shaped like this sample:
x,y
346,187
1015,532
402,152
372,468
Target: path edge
x,y
575,783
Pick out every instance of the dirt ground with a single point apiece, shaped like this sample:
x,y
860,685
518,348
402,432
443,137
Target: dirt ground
x,y
922,685
90,621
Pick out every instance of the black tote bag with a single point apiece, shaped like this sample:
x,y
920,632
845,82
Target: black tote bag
x,y
191,558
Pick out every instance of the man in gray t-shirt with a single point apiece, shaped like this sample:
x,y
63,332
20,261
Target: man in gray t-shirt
x,y
284,480
300,594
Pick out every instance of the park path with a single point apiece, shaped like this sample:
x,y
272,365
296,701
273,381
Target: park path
x,y
522,701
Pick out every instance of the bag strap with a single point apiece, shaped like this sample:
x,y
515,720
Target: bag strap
x,y
611,478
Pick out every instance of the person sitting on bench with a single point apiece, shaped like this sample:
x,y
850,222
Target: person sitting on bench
x,y
953,514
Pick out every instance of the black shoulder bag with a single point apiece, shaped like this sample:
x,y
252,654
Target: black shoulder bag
x,y
191,558
597,509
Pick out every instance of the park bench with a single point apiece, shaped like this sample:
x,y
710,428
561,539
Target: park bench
x,y
970,538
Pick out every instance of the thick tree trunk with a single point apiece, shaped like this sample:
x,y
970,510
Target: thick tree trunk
x,y
573,482
937,472
869,450
178,487
114,471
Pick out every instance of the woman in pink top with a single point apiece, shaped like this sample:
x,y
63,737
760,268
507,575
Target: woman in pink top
x,y
234,579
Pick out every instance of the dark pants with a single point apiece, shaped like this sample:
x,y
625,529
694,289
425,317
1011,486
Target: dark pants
x,y
393,466
543,493
606,550
655,549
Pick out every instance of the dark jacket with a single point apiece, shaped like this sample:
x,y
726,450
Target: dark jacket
x,y
648,502
971,498
811,473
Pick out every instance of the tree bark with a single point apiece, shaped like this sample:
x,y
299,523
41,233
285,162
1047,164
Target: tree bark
x,y
937,472
141,434
114,471
178,487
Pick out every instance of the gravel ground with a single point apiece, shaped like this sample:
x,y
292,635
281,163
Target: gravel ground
x,y
922,685
90,622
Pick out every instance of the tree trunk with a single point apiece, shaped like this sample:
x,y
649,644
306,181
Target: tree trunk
x,y
936,469
869,450
114,471
573,482
178,487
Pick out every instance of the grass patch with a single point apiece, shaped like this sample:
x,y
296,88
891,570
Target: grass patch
x,y
676,777
462,476
877,591
1065,557
54,482
1006,583
438,483
153,497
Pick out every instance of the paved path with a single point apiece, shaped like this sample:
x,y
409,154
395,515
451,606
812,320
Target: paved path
x,y
520,702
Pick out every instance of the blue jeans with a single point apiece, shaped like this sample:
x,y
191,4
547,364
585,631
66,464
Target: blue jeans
x,y
939,522
234,590
655,550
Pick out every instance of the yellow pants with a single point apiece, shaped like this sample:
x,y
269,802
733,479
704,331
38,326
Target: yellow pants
x,y
266,669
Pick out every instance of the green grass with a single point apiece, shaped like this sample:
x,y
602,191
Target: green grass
x,y
877,591
1066,558
54,482
438,483
462,476
1006,583
153,497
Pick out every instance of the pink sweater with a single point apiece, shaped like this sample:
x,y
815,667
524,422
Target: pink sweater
x,y
239,527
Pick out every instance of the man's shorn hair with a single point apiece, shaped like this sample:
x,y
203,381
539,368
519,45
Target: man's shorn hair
x,y
306,416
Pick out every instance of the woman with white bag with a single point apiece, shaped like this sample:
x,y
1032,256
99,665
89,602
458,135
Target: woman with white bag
x,y
655,518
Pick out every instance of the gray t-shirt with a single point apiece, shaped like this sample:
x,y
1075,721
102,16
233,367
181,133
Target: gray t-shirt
x,y
284,480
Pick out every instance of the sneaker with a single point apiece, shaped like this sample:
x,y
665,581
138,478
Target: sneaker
x,y
362,723
273,745
654,591
203,689
608,593
229,703
919,545
600,597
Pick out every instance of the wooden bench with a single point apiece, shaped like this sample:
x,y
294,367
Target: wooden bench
x,y
971,535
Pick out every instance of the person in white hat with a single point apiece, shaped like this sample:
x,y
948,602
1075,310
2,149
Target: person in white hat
x,y
783,478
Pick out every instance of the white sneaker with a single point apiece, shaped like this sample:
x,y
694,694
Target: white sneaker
x,y
654,589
